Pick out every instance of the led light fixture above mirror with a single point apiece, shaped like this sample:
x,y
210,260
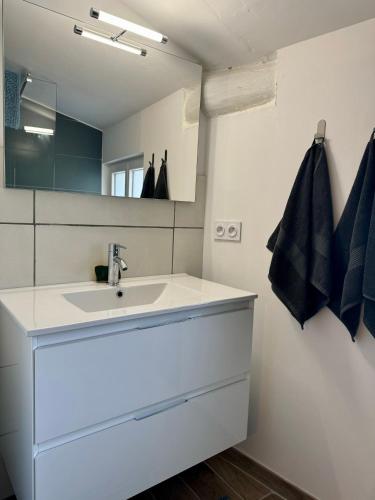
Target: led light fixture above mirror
x,y
107,40
128,26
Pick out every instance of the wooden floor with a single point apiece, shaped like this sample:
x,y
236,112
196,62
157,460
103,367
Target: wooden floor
x,y
227,476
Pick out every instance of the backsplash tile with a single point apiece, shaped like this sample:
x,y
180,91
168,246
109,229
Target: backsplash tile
x,y
16,205
188,251
192,214
72,232
70,253
87,209
17,255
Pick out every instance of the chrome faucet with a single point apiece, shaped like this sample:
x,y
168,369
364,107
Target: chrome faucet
x,y
115,263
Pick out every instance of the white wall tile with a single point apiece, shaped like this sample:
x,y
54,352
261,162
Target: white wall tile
x,y
77,208
192,214
17,255
188,251
70,253
16,205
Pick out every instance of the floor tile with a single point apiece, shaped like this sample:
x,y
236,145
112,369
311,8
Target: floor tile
x,y
207,485
173,489
265,476
242,483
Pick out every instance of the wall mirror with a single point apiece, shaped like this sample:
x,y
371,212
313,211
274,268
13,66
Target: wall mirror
x,y
84,116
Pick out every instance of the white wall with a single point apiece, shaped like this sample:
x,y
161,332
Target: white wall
x,y
312,394
171,123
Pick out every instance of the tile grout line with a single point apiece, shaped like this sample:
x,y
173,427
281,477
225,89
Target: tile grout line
x,y
16,223
34,206
3,223
172,263
34,241
224,480
103,225
189,487
268,495
272,491
173,236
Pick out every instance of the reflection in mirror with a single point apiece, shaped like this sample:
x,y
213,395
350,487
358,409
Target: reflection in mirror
x,y
84,116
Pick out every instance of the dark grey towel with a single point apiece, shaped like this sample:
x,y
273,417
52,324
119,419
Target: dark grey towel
x,y
161,190
300,270
354,251
148,189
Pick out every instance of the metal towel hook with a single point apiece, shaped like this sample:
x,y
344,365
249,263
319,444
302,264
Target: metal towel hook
x,y
151,163
320,132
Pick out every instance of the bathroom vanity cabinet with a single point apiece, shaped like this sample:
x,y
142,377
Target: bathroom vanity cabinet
x,y
104,405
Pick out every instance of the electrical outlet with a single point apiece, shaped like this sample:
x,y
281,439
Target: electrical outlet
x,y
227,230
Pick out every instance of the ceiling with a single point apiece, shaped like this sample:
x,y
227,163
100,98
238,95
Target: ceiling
x,y
222,33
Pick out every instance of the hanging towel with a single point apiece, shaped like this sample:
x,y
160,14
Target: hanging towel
x,y
354,251
300,270
161,190
148,188
12,99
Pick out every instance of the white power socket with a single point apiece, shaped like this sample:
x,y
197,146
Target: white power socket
x,y
227,230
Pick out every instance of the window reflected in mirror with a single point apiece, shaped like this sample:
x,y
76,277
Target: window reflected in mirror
x,y
124,178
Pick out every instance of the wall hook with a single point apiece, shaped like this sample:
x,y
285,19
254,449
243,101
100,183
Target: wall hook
x,y
320,132
152,161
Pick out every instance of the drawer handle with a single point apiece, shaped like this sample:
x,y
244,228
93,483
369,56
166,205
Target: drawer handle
x,y
166,323
160,409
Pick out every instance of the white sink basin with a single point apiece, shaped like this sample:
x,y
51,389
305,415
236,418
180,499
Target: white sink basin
x,y
108,299
52,308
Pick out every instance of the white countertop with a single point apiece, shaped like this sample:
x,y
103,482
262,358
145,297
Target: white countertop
x,y
44,309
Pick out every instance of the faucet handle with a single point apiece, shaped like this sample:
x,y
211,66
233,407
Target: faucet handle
x,y
113,248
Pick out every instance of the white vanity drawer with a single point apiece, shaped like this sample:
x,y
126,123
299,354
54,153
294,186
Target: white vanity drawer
x,y
121,461
83,383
